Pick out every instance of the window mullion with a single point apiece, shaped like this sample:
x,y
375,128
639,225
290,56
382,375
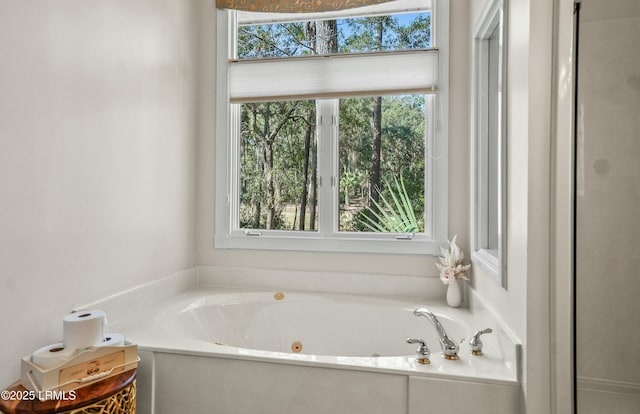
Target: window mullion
x,y
233,160
326,111
431,120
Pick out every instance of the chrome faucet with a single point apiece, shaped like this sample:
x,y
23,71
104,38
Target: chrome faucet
x,y
449,347
422,351
476,343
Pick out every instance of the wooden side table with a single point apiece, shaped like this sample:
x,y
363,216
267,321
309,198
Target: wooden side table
x,y
115,395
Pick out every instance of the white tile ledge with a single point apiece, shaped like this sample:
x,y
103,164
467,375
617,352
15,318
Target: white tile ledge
x,y
505,340
123,304
429,288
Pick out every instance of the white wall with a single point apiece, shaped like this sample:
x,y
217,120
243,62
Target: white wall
x,y
365,263
97,157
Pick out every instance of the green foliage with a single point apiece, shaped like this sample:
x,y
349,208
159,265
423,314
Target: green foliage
x,y
354,35
415,35
272,157
394,214
359,34
273,40
351,183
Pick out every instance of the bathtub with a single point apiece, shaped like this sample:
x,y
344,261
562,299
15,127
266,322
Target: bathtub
x,y
310,324
238,351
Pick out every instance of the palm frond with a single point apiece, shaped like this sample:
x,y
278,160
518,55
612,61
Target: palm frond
x,y
394,214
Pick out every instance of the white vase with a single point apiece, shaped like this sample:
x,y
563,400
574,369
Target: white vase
x,y
454,294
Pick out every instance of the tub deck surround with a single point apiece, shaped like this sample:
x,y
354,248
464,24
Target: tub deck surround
x,y
379,285
335,331
122,304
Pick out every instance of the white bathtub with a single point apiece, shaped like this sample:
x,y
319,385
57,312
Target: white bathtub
x,y
235,351
311,324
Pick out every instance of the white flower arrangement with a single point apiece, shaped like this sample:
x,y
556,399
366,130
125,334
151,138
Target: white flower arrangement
x,y
451,263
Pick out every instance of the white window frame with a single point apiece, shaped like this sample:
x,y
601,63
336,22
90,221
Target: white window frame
x,y
328,238
493,17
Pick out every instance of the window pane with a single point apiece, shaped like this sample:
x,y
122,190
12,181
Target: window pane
x,y
349,35
493,141
278,166
382,164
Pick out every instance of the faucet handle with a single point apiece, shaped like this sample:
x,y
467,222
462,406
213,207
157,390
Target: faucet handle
x,y
422,351
476,344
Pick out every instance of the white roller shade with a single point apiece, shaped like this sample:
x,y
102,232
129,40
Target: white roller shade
x,y
333,76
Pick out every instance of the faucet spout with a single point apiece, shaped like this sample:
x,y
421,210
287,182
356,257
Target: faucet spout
x,y
449,347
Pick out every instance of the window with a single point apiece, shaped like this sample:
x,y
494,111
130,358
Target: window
x,y
489,142
331,136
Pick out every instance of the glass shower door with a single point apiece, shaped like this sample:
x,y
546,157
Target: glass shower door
x,y
607,266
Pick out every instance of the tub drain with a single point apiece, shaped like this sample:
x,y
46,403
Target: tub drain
x,y
278,296
296,347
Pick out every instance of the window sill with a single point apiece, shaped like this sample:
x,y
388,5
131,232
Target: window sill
x,y
488,262
324,244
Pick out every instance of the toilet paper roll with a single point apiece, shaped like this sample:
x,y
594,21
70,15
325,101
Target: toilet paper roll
x,y
52,355
111,339
83,329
